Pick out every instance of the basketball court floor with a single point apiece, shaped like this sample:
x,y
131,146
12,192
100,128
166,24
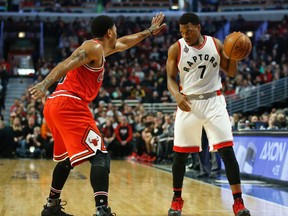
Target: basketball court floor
x,y
135,190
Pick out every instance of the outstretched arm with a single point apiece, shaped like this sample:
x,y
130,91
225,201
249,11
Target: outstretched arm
x,y
129,41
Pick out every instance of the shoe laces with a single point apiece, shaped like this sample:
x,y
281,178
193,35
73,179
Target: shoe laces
x,y
63,203
106,213
58,205
177,203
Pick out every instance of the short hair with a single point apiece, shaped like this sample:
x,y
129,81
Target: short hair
x,y
100,26
189,18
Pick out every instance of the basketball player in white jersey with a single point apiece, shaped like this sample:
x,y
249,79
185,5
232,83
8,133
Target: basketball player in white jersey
x,y
193,73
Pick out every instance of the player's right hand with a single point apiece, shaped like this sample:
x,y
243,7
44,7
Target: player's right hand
x,y
183,103
38,91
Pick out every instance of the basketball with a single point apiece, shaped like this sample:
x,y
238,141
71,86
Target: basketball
x,y
237,46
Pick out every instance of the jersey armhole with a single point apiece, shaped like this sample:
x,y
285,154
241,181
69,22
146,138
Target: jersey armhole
x,y
179,53
216,46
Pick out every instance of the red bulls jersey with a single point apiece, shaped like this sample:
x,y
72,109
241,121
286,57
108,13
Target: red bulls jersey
x,y
83,82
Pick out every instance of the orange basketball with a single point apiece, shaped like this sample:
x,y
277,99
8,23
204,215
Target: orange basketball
x,y
237,46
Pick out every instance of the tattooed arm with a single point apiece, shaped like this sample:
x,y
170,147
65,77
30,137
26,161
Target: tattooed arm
x,y
86,53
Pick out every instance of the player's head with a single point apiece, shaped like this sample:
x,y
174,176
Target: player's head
x,y
187,18
190,27
100,26
103,27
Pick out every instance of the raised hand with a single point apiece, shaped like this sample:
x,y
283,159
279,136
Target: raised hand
x,y
156,24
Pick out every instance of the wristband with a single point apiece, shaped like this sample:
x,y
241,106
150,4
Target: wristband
x,y
151,32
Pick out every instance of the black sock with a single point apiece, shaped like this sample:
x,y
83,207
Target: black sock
x,y
237,195
178,170
60,175
54,193
99,179
177,192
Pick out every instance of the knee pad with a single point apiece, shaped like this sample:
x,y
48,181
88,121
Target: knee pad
x,y
100,159
66,164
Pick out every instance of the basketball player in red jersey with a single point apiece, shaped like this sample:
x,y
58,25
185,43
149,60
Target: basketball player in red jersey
x,y
196,60
77,139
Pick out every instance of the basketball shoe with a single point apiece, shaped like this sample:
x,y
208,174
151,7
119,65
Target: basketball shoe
x,y
239,208
104,211
176,206
54,208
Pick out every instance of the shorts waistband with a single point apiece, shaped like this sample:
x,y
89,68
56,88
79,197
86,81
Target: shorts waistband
x,y
204,96
64,93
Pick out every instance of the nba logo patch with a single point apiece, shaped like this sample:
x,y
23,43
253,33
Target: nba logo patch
x,y
186,49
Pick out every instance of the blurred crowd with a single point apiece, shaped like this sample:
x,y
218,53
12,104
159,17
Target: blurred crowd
x,y
139,73
131,131
105,5
128,131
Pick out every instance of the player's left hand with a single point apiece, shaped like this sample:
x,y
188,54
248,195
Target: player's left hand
x,y
156,24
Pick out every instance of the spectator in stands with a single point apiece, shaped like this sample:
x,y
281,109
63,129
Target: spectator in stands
x,y
138,93
35,143
244,89
267,76
28,131
155,98
264,119
17,132
49,140
6,140
146,148
16,104
116,94
142,149
108,132
165,141
101,116
272,123
103,96
124,137
139,72
281,122
165,97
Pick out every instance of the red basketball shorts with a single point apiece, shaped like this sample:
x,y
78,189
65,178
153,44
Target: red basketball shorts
x,y
73,128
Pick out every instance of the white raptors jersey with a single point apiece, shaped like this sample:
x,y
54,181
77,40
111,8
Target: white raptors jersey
x,y
199,67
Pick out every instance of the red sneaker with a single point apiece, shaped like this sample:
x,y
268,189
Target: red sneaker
x,y
176,206
239,208
133,156
151,159
144,157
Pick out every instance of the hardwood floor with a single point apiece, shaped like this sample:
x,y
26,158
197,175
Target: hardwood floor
x,y
135,190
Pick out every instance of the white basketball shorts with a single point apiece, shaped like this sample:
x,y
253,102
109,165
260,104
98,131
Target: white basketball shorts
x,y
211,114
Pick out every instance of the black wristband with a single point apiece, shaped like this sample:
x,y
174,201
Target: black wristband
x,y
151,32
